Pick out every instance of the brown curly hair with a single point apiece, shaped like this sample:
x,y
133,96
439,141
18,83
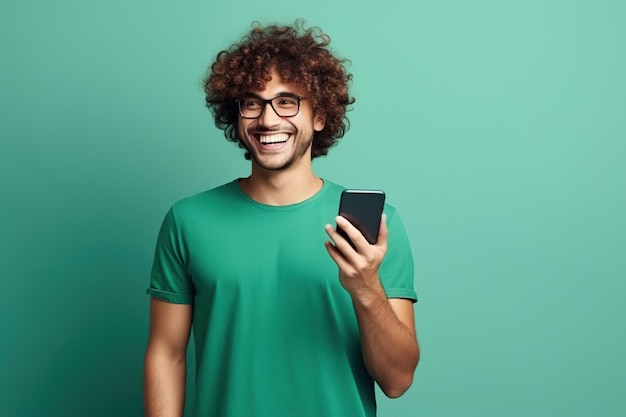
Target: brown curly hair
x,y
301,56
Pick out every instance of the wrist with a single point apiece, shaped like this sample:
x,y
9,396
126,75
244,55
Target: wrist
x,y
369,297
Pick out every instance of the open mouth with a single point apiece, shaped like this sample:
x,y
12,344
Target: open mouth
x,y
275,139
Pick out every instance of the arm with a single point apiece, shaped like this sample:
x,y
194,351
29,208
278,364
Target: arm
x,y
388,337
165,363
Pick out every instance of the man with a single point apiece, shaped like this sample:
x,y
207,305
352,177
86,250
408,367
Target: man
x,y
285,322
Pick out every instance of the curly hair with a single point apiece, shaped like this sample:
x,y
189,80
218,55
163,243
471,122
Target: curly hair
x,y
300,56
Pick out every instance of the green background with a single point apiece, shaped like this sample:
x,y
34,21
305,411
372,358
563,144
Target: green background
x,y
497,128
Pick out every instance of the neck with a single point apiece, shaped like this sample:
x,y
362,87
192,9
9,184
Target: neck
x,y
280,188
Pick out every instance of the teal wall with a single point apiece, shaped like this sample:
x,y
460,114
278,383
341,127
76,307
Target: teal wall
x,y
497,128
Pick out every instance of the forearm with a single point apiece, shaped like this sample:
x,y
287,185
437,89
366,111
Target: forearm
x,y
390,350
164,385
388,340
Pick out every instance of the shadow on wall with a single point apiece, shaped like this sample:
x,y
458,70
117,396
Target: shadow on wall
x,y
78,317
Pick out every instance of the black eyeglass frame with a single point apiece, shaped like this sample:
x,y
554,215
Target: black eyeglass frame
x,y
269,101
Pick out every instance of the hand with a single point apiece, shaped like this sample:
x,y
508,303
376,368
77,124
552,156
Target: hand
x,y
358,266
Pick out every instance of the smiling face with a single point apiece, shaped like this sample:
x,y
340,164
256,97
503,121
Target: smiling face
x,y
275,142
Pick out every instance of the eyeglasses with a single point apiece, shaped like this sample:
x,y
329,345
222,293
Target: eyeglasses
x,y
285,105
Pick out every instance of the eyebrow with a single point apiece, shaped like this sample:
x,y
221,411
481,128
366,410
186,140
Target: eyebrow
x,y
281,94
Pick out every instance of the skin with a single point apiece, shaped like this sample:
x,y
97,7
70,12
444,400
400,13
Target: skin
x,y
387,326
280,175
165,363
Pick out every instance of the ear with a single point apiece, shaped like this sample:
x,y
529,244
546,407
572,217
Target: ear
x,y
319,122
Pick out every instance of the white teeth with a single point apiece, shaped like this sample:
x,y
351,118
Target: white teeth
x,y
277,138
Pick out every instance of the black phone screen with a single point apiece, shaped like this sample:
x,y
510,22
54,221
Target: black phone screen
x,y
363,209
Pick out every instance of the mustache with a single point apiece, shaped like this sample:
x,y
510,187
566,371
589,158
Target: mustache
x,y
263,129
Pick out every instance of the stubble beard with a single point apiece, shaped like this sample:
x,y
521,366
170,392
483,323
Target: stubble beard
x,y
300,150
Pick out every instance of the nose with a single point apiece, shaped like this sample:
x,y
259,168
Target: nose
x,y
269,117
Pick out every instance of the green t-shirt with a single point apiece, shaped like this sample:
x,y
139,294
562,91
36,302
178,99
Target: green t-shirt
x,y
275,332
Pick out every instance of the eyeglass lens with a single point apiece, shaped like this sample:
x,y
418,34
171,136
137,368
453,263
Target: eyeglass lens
x,y
284,106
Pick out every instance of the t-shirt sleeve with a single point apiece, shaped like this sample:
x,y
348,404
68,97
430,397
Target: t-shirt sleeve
x,y
397,270
169,279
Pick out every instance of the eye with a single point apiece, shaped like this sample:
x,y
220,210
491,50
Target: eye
x,y
251,103
286,102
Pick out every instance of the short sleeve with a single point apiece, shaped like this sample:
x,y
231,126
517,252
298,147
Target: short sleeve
x,y
397,270
169,280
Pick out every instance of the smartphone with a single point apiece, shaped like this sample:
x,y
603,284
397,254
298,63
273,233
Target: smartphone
x,y
363,209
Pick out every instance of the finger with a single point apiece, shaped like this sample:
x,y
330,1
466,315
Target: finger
x,y
340,243
353,233
337,256
383,232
